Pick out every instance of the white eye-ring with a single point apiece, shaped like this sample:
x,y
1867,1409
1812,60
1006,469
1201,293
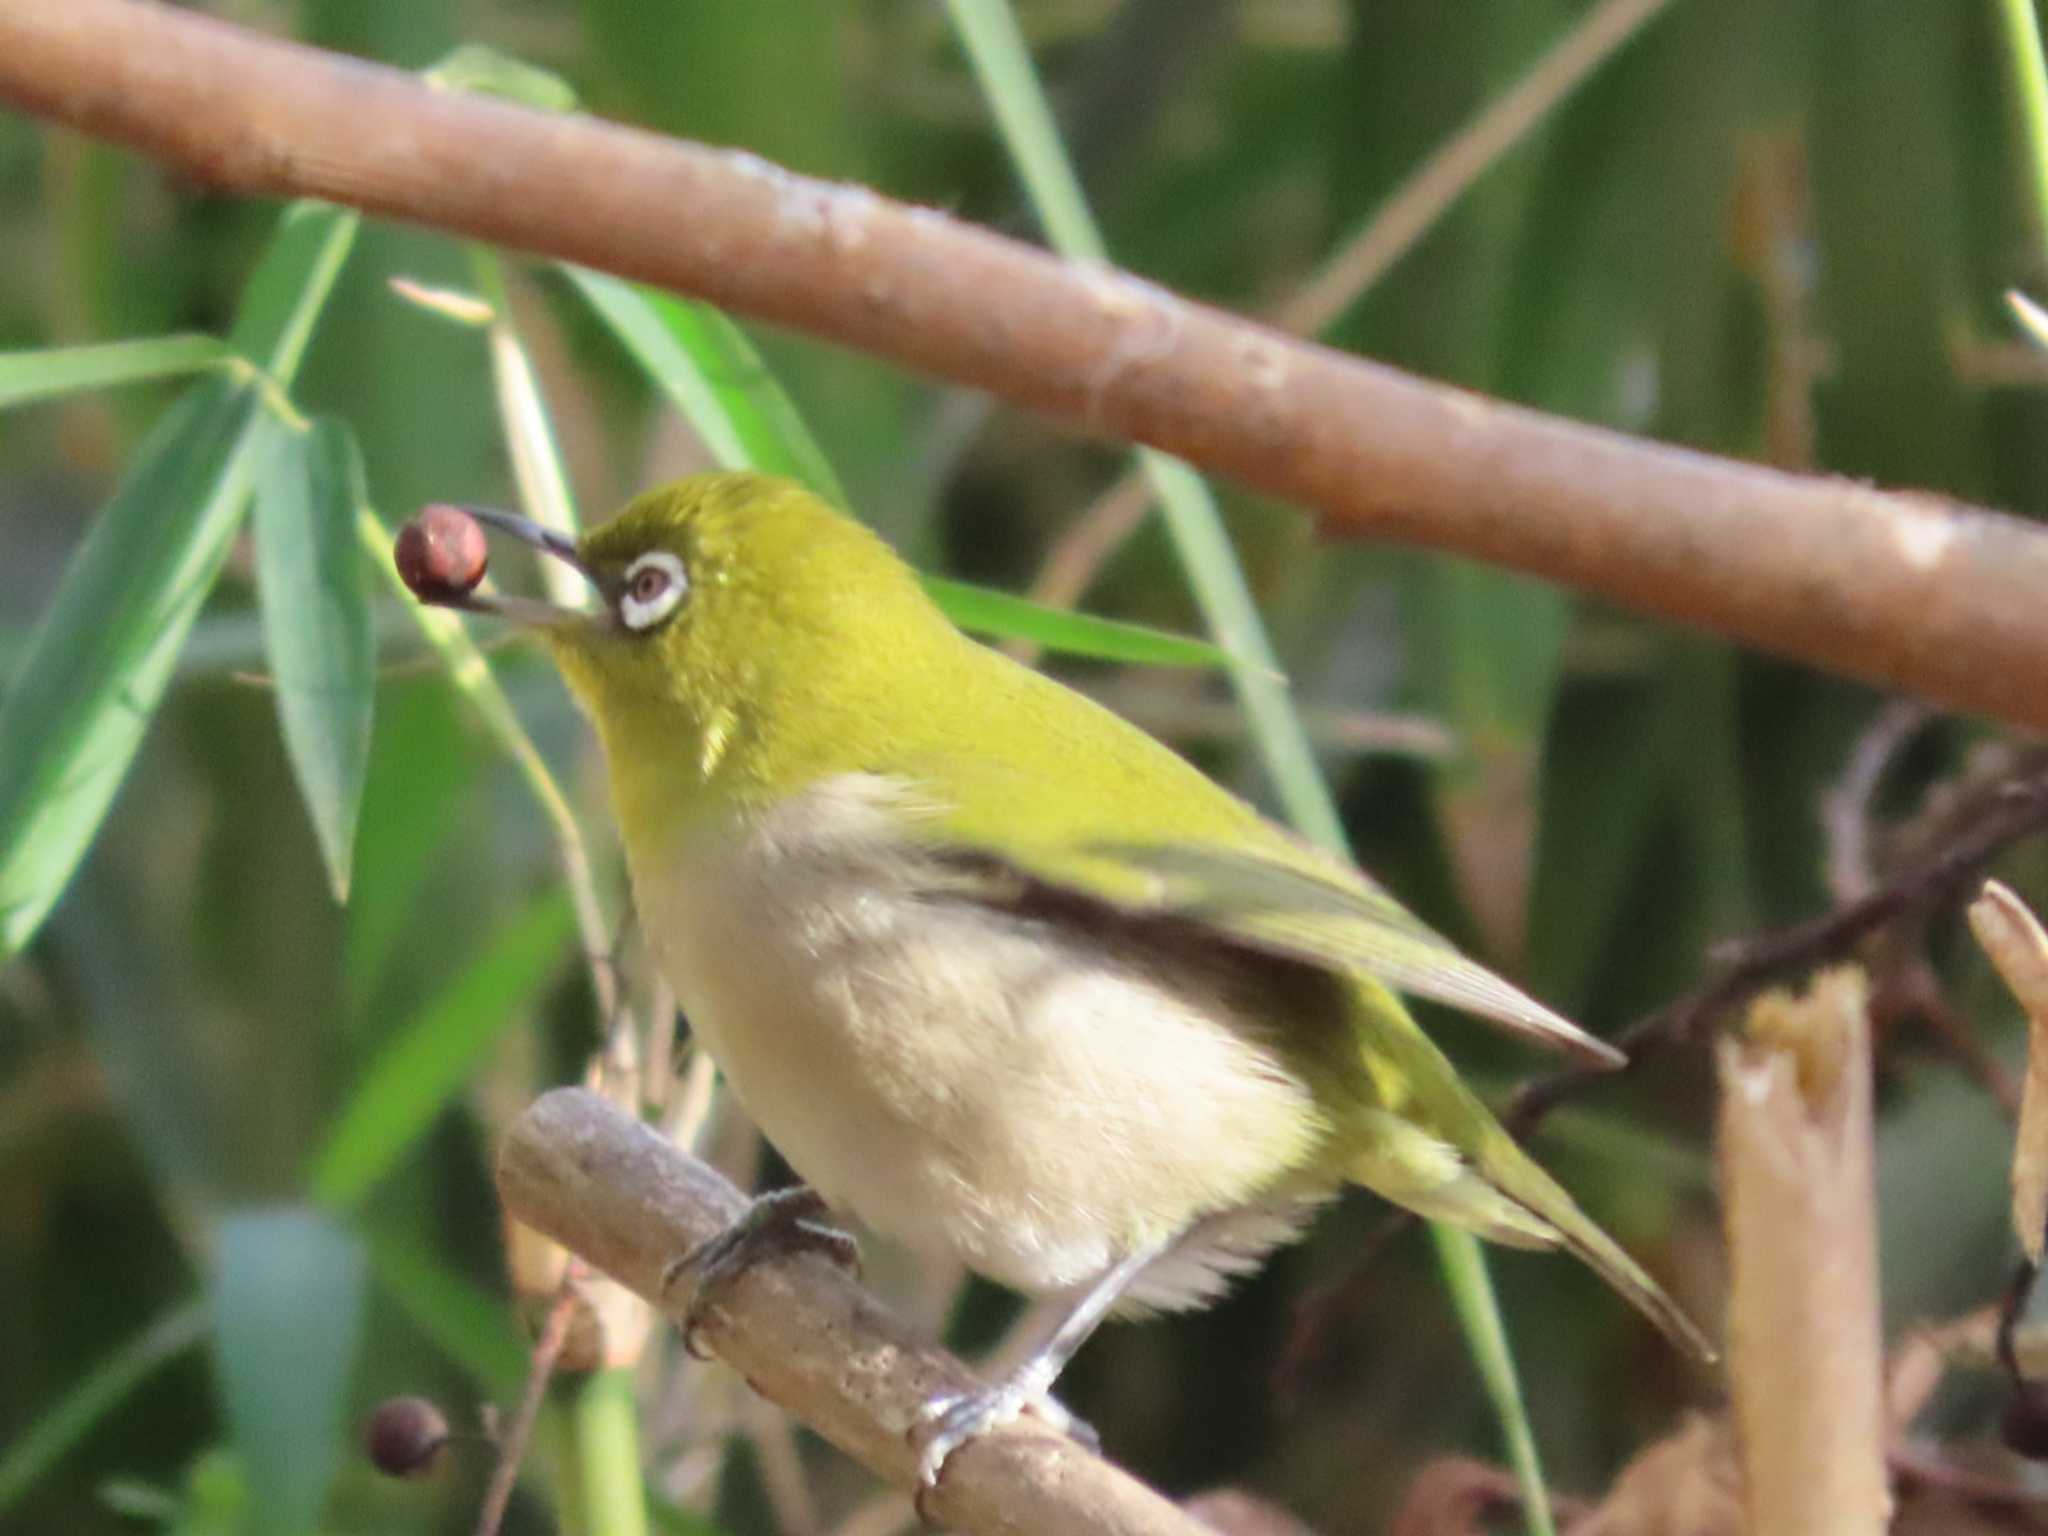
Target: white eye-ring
x,y
654,584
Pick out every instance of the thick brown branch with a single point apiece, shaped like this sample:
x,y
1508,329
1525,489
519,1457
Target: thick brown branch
x,y
628,1201
1902,591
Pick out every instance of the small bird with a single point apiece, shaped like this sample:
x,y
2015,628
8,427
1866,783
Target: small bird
x,y
995,972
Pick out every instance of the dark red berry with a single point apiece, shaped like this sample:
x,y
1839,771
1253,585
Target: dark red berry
x,y
441,553
405,1436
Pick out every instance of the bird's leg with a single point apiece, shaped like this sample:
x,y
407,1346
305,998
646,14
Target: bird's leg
x,y
780,1222
950,1420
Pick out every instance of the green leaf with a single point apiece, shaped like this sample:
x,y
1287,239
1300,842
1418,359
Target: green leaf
x,y
288,1309
76,713
427,1060
316,623
70,724
710,372
40,375
290,286
484,71
35,1449
985,611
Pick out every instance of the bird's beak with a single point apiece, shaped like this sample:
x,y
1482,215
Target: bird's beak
x,y
528,611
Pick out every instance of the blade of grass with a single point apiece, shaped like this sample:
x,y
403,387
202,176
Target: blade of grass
x,y
316,620
97,1393
1464,1267
44,374
429,1058
985,611
995,48
288,1307
607,1418
2030,88
72,720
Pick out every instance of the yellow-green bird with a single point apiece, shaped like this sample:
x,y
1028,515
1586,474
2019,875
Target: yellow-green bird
x,y
995,972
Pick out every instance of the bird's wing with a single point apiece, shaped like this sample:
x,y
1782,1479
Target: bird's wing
x,y
1277,897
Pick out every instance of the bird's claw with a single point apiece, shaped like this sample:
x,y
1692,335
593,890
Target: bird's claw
x,y
781,1222
949,1420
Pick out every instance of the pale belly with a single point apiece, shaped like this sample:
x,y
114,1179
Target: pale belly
x,y
967,1081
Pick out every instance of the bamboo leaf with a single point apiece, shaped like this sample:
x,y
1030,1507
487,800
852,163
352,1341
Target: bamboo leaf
x,y
288,1309
290,286
430,1056
985,611
316,621
101,657
72,721
484,71
49,372
710,372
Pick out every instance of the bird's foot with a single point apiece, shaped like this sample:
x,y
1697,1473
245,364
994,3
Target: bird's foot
x,y
781,1222
951,1419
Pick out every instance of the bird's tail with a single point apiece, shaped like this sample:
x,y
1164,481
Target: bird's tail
x,y
1483,1181
1428,1143
1515,1175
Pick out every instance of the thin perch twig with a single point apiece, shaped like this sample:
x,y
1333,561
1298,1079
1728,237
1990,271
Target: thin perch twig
x,y
804,1334
1996,816
1904,591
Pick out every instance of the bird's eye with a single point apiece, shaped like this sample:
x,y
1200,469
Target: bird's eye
x,y
653,586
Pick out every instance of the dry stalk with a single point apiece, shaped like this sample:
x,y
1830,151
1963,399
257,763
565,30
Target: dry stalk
x,y
1805,1341
2012,937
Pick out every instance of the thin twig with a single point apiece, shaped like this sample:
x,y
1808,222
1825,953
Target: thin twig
x,y
1907,592
1399,224
2001,815
1845,810
1914,987
547,1349
1903,980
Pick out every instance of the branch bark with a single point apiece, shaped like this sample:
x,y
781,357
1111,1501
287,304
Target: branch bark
x,y
803,1334
1900,590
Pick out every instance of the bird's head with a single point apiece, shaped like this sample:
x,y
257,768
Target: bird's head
x,y
727,605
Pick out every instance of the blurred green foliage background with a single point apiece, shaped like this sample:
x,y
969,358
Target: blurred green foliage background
x,y
1778,229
